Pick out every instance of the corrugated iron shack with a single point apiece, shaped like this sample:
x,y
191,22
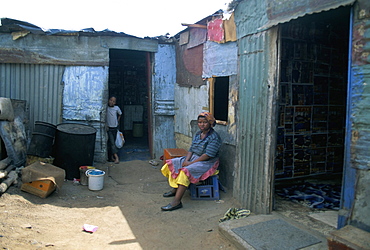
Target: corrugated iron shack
x,y
67,76
206,80
303,73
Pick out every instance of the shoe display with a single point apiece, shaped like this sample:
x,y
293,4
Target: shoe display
x,y
169,194
169,207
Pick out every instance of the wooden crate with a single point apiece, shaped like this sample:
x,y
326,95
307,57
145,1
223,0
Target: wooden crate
x,y
170,153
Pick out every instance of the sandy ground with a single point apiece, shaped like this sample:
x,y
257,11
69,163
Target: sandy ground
x,y
126,212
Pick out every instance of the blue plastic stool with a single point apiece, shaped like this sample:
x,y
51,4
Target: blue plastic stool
x,y
206,190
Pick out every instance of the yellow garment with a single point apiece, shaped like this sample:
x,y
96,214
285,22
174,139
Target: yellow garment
x,y
181,179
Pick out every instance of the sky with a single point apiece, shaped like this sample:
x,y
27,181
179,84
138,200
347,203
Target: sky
x,y
134,17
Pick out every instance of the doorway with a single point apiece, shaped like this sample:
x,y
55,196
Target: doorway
x,y
312,109
128,81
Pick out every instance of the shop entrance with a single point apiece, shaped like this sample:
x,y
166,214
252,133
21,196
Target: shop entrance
x,y
312,109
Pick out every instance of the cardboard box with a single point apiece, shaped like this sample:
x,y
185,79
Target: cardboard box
x,y
42,188
42,179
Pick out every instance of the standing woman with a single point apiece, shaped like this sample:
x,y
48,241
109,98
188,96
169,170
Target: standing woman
x,y
113,117
200,162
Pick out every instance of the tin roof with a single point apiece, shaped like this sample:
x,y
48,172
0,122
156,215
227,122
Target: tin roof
x,y
9,25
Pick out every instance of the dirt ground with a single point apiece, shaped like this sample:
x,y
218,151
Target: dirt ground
x,y
126,211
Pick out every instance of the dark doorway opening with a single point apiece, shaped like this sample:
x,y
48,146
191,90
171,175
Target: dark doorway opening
x,y
312,109
128,82
221,98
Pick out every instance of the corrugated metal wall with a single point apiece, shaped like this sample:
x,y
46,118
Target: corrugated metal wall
x,y
256,124
40,85
253,182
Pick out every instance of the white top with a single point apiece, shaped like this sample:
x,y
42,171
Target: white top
x,y
112,114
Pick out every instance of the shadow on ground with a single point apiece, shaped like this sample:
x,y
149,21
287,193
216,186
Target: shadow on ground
x,y
135,148
126,211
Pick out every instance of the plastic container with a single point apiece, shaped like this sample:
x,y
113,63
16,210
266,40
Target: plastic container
x,y
138,130
83,177
74,147
44,127
42,139
96,179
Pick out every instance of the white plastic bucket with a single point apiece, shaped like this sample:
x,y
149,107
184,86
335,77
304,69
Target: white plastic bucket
x,y
96,179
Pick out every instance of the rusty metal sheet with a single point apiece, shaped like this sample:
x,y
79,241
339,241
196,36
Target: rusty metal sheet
x,y
189,63
361,37
193,60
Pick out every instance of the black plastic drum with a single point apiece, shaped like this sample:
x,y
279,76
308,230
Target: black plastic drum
x,y
74,147
42,139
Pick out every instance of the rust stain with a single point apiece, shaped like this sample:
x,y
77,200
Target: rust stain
x,y
359,56
364,9
193,60
355,136
189,66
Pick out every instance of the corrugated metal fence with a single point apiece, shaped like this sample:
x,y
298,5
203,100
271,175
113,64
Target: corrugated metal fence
x,y
39,85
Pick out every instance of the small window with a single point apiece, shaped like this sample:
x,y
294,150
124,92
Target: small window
x,y
219,98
